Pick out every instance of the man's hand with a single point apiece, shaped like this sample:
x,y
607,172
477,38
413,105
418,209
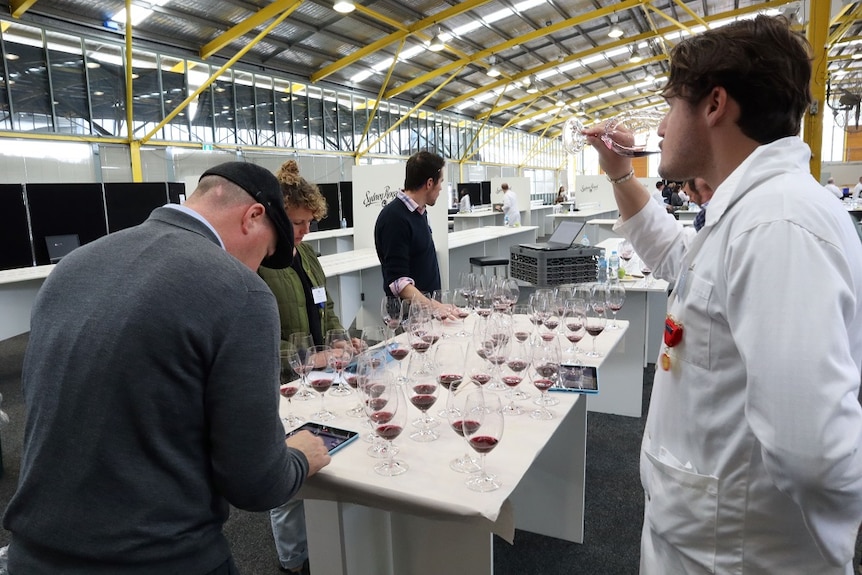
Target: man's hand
x,y
313,448
614,165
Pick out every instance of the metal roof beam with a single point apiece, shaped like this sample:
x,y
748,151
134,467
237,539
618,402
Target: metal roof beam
x,y
257,19
18,7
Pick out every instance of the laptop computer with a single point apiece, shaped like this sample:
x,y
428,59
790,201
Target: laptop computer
x,y
562,239
60,246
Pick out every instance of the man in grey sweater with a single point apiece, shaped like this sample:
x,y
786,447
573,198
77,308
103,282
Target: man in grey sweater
x,y
151,385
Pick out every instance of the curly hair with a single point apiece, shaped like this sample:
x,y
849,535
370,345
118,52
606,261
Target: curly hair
x,y
299,192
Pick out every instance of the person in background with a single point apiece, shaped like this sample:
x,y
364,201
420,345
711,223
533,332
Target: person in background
x,y
510,205
151,388
464,203
750,460
658,194
857,189
561,195
402,236
700,193
836,191
304,306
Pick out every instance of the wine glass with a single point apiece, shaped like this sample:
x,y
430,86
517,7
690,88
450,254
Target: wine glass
x,y
340,353
460,309
550,322
455,410
300,342
388,415
321,377
517,354
418,330
581,294
522,322
633,133
366,363
627,252
486,410
647,272
498,332
599,297
483,296
546,370
596,321
616,299
574,323
449,360
288,385
478,372
421,389
373,401
392,311
374,338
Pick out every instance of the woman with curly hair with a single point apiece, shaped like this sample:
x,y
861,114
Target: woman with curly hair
x,y
304,305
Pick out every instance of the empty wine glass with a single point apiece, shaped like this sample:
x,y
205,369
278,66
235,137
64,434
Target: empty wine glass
x,y
616,299
374,338
388,415
300,342
321,377
455,410
392,311
633,133
486,410
340,354
288,386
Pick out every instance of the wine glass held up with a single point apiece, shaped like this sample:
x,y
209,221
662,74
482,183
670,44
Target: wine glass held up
x,y
486,410
633,133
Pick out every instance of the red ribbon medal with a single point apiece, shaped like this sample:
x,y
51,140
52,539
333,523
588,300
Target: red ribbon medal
x,y
672,336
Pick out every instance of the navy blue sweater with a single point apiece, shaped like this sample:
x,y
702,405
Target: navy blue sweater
x,y
405,247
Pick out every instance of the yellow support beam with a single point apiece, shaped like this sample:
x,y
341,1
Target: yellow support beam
x,y
134,147
280,7
458,8
818,36
843,22
377,101
214,77
18,7
523,39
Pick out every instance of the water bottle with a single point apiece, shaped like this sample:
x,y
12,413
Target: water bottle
x,y
343,223
506,221
585,241
614,266
602,272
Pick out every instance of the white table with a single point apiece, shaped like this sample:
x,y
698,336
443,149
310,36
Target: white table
x,y
329,242
538,217
426,521
645,308
487,241
18,289
477,219
686,216
352,277
585,215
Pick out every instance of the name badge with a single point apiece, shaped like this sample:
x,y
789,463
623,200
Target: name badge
x,y
319,294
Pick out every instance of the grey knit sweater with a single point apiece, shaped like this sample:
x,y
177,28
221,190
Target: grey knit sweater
x,y
150,381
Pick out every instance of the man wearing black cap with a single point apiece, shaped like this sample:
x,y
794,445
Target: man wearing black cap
x,y
151,385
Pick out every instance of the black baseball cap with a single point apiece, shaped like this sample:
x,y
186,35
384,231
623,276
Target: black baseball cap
x,y
263,186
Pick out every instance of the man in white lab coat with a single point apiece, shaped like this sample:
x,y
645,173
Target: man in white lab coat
x,y
751,459
510,206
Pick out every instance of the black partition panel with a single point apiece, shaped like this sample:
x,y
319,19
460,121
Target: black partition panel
x,y
14,231
346,191
486,193
59,209
332,220
176,192
129,204
475,191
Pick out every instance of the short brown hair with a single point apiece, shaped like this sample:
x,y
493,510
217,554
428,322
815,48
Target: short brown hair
x,y
764,66
300,193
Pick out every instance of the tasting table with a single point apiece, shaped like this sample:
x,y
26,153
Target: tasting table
x,y
426,521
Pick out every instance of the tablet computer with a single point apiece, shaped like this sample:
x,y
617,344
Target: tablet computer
x,y
334,437
577,379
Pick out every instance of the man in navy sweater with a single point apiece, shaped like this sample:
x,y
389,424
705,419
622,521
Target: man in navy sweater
x,y
402,235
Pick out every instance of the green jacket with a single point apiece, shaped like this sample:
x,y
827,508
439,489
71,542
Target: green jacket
x,y
288,292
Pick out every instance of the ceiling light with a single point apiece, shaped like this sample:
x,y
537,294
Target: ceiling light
x,y
856,56
98,93
436,42
493,71
344,6
635,57
11,56
560,103
615,31
93,65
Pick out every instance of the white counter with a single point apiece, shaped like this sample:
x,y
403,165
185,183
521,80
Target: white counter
x,y
328,242
18,289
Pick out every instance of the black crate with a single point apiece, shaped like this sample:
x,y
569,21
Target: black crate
x,y
552,268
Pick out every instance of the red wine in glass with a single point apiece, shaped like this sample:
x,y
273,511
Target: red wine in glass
x,y
521,336
288,391
594,330
321,384
447,380
421,346
517,365
483,443
423,396
389,431
512,380
382,416
463,426
481,378
398,353
543,384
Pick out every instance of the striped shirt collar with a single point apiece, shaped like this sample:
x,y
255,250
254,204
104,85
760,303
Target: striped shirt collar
x,y
410,202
